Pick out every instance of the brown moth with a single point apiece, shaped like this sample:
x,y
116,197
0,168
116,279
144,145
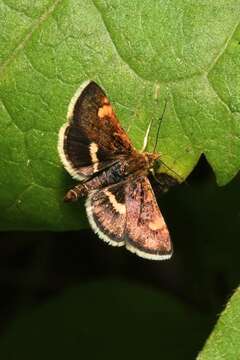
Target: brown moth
x,y
113,176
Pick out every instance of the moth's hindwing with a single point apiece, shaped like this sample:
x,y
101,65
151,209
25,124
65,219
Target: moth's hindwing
x,y
146,231
106,212
92,138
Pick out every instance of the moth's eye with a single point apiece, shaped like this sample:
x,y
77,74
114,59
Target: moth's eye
x,y
157,164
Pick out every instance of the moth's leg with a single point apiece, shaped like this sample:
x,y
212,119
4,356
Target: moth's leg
x,y
75,193
145,140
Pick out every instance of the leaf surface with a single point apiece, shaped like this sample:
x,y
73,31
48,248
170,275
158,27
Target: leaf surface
x,y
225,338
143,54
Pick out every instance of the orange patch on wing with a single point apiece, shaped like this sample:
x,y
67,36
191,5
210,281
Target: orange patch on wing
x,y
105,110
105,101
157,224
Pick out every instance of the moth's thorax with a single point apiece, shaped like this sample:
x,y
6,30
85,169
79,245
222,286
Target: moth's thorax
x,y
140,163
151,158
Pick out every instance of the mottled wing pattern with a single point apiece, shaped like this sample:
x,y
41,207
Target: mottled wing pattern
x,y
146,232
106,213
92,137
127,214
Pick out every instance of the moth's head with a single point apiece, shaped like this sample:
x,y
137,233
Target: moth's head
x,y
153,160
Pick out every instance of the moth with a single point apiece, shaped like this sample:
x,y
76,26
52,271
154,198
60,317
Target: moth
x,y
112,175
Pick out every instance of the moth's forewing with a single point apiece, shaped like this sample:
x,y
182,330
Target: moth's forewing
x,y
147,234
92,138
127,214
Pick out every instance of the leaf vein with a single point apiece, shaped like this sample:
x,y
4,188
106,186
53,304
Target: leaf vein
x,y
36,24
115,47
221,52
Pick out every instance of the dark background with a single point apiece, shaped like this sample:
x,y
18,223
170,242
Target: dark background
x,y
66,295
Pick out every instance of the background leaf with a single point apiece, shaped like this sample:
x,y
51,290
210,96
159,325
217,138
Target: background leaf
x,y
141,54
224,340
105,320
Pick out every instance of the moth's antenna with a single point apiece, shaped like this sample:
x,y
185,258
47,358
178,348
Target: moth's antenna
x,y
159,125
174,172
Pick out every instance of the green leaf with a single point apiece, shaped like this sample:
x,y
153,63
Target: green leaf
x,y
142,53
225,338
106,320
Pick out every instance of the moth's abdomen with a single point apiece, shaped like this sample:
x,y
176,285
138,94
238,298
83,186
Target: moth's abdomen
x,y
77,192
